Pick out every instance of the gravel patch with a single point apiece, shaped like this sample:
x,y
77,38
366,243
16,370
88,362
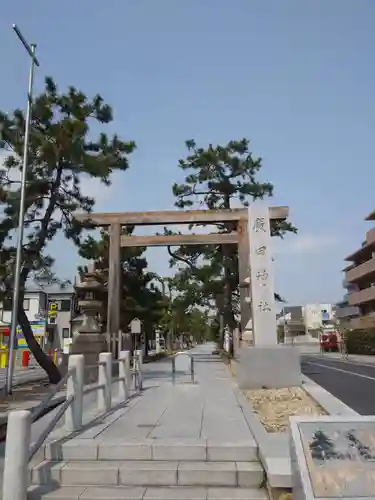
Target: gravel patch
x,y
275,406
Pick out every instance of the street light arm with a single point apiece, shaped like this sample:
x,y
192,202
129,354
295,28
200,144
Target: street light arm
x,y
29,47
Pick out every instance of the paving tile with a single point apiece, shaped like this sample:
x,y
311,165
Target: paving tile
x,y
46,472
75,449
150,473
48,493
249,474
175,493
236,494
90,473
245,451
207,474
129,450
119,493
179,449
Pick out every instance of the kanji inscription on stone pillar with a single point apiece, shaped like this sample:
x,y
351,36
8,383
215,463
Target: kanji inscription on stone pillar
x,y
261,277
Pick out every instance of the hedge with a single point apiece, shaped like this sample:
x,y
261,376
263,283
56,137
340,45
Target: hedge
x,y
361,341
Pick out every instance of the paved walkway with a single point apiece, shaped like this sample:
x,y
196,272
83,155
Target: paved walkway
x,y
207,409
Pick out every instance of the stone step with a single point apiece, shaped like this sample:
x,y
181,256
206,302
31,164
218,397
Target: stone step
x,y
153,449
148,473
142,493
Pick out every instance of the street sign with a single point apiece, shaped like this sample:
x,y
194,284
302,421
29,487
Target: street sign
x,y
136,326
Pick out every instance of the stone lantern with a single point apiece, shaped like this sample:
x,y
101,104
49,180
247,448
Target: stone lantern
x,y
90,341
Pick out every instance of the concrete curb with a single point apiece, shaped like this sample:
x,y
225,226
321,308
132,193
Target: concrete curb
x,y
273,447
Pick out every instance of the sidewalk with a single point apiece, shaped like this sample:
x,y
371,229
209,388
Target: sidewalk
x,y
207,409
356,358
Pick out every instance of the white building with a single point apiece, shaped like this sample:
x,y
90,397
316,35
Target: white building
x,y
50,312
315,315
300,321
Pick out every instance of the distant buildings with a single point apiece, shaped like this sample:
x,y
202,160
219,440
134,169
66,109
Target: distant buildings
x,y
304,320
359,302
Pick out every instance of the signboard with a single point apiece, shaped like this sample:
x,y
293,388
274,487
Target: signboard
x,y
333,457
325,315
52,310
136,326
261,277
38,328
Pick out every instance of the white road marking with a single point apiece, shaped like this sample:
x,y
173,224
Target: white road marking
x,y
345,361
340,370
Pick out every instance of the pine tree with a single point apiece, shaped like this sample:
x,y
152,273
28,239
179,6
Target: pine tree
x,y
62,154
322,447
140,298
361,449
215,178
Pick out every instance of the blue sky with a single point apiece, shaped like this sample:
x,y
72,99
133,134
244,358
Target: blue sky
x,y
296,77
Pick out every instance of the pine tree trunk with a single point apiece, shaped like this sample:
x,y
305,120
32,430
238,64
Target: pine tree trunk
x,y
41,358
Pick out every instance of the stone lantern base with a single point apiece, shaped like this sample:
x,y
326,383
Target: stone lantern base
x,y
90,345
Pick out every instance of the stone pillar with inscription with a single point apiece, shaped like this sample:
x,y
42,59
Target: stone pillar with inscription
x,y
267,364
261,277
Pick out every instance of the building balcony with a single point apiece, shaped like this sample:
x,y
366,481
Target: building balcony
x,y
363,254
370,236
367,321
345,282
366,295
361,271
347,312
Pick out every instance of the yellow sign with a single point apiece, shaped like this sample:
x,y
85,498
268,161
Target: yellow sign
x,y
52,313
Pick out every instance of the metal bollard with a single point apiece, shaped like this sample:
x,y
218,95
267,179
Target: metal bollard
x,y
16,463
173,369
74,387
137,368
119,342
105,379
124,374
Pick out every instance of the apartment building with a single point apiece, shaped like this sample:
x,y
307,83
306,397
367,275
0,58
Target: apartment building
x,y
360,277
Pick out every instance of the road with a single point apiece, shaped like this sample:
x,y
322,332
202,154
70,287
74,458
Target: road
x,y
351,382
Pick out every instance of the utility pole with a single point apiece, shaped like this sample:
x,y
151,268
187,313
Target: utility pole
x,y
17,270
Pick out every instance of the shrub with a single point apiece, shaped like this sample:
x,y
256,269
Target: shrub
x,y
361,341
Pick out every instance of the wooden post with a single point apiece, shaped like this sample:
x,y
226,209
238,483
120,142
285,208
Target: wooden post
x,y
243,270
114,280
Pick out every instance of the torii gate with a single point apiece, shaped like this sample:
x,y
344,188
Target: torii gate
x,y
174,217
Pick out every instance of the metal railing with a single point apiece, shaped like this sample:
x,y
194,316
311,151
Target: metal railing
x,y
180,353
18,449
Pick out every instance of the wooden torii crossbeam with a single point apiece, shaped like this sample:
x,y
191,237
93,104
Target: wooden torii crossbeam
x,y
174,217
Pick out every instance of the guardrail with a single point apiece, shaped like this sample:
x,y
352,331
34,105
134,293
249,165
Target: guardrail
x,y
18,449
180,353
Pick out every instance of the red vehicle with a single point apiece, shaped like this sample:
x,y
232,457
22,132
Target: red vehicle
x,y
329,340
